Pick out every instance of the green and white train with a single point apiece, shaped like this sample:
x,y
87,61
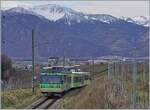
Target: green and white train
x,y
59,79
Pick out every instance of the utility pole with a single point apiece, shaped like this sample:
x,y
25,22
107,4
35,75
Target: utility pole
x,y
64,56
134,77
109,69
93,67
33,68
64,61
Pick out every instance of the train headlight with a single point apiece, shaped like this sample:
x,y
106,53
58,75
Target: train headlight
x,y
34,77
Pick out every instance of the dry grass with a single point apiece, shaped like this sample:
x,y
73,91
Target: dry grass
x,y
18,98
90,97
97,95
100,94
103,93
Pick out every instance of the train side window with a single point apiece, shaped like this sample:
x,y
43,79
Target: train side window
x,y
69,79
64,77
72,70
62,80
75,79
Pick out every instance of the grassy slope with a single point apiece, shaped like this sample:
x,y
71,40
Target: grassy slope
x,y
18,98
95,96
86,98
91,96
98,95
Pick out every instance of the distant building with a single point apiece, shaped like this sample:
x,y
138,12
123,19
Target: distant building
x,y
18,66
53,60
97,61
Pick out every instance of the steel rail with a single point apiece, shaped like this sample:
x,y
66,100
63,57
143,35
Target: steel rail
x,y
37,103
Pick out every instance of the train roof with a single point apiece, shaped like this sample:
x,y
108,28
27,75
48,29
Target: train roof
x,y
62,70
46,67
62,73
53,73
80,72
58,67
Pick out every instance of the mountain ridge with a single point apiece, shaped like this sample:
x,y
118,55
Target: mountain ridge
x,y
55,12
85,39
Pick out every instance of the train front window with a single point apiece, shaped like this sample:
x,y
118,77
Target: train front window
x,y
51,79
52,70
47,70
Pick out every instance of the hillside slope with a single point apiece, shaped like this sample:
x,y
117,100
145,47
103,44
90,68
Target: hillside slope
x,y
115,93
90,97
95,96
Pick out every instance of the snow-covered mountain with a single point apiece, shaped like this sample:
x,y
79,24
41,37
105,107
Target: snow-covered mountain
x,y
140,20
55,12
23,10
51,12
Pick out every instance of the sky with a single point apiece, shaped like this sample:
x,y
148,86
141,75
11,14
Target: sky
x,y
115,8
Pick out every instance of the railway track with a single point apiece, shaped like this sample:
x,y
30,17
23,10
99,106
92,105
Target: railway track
x,y
42,103
51,102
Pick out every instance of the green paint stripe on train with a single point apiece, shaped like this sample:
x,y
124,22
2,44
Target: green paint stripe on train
x,y
50,85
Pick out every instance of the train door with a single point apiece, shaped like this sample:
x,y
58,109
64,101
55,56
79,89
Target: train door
x,y
69,81
72,81
65,82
